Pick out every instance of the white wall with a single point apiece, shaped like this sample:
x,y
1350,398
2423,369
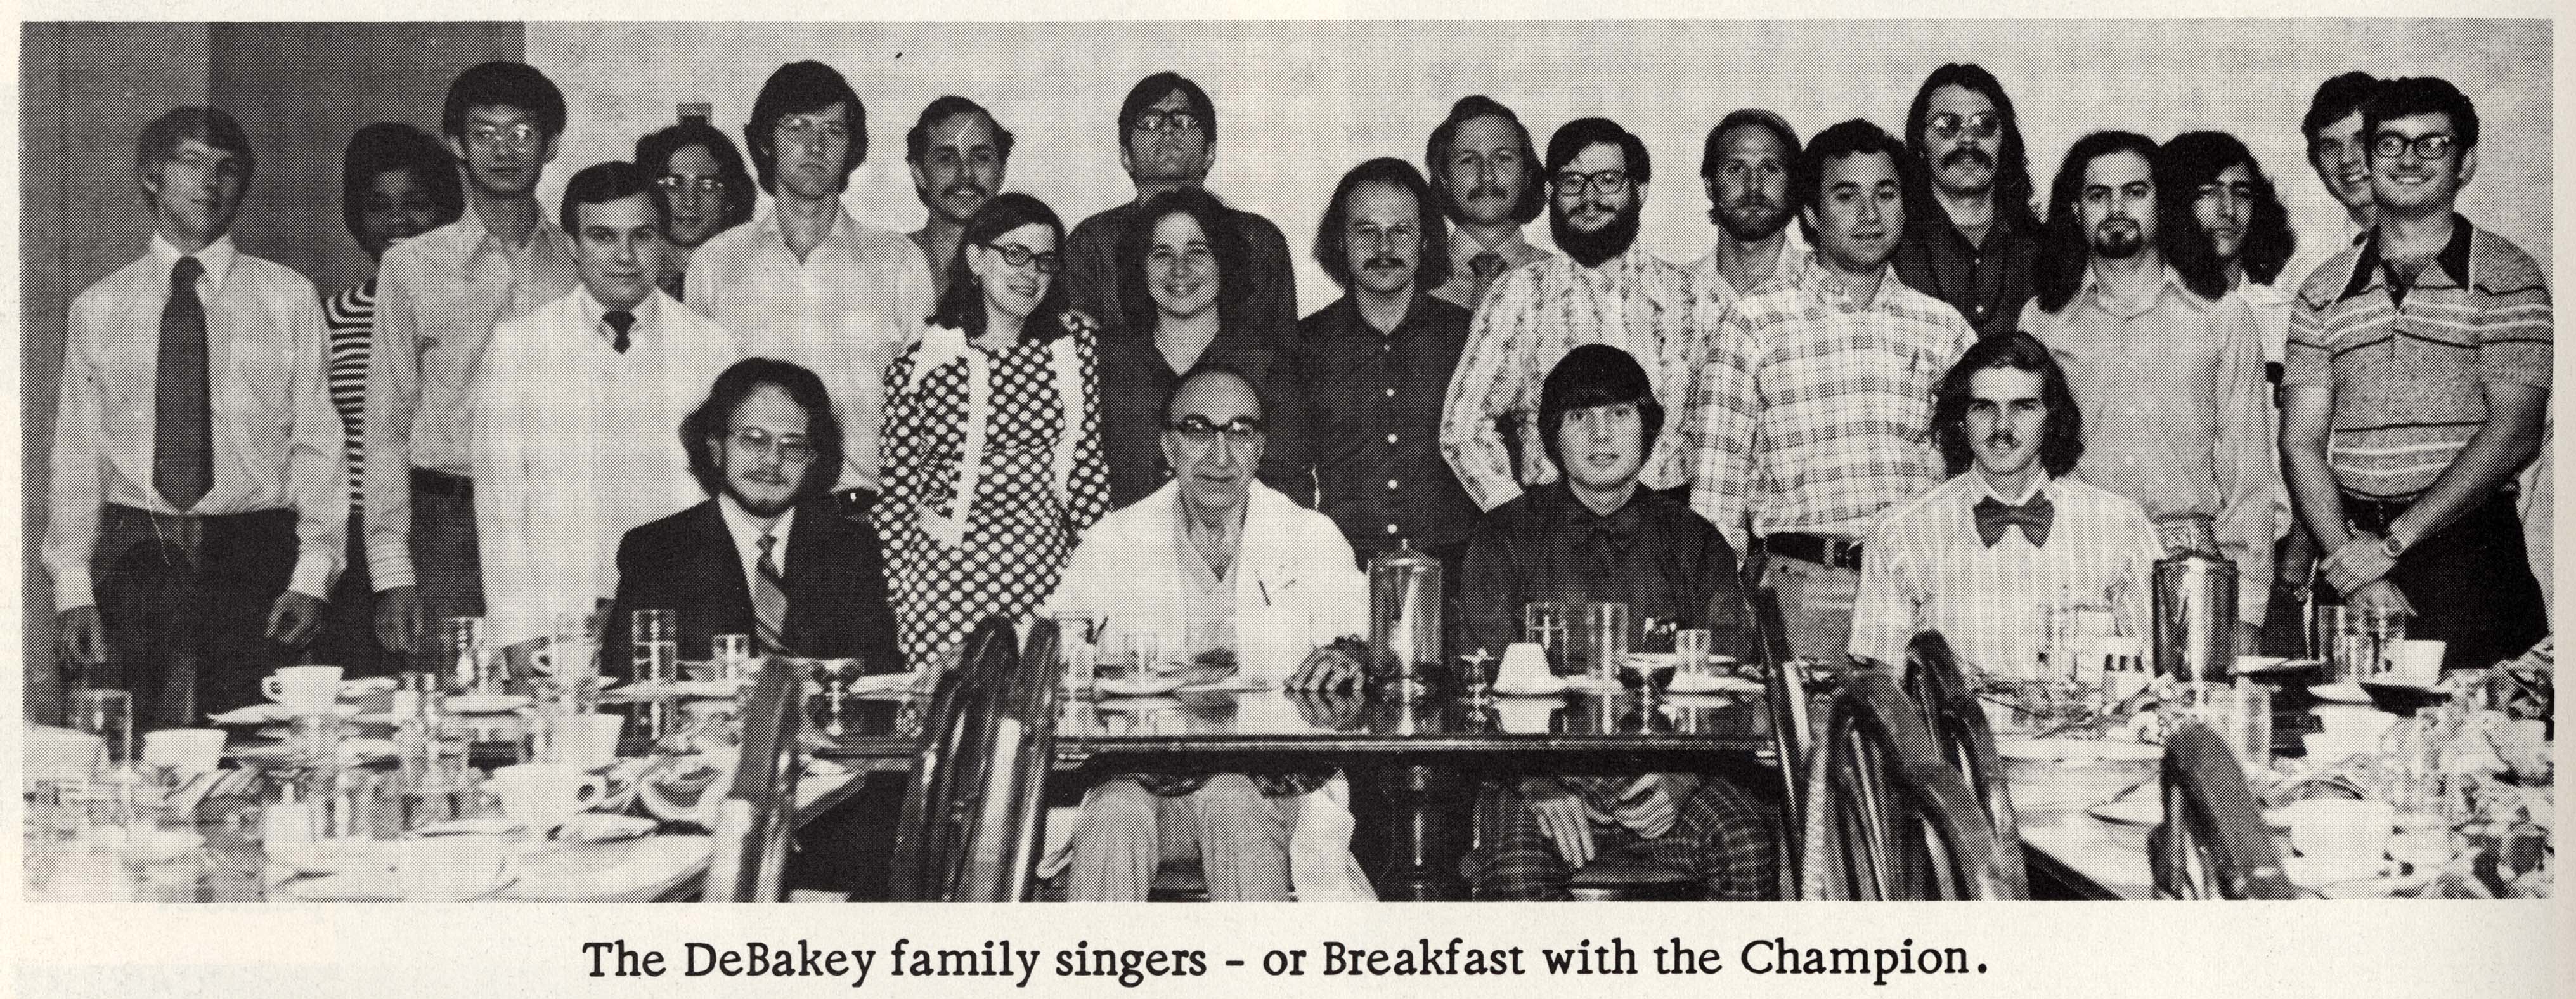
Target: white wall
x,y
1299,102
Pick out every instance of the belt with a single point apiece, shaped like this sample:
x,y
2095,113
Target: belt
x,y
446,484
1834,552
2372,515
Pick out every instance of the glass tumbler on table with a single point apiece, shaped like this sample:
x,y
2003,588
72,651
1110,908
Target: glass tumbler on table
x,y
2240,714
1543,622
109,715
1607,631
470,667
732,656
656,634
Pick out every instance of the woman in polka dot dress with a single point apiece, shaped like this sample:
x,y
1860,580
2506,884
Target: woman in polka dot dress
x,y
992,437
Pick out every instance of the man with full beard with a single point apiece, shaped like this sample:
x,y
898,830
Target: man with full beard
x,y
2167,367
959,155
1604,290
1970,237
1746,167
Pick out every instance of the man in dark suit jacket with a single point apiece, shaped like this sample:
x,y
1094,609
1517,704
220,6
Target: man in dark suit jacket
x,y
769,557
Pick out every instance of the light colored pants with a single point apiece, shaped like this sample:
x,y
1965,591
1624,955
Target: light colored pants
x,y
1240,838
1816,604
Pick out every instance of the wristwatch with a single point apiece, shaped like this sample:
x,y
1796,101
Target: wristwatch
x,y
2389,544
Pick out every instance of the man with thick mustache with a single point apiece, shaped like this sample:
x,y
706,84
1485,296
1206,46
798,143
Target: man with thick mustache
x,y
1485,171
1811,415
2418,384
1978,557
1746,167
1970,237
1604,290
958,155
2166,365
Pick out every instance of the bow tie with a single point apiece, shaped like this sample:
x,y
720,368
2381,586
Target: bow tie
x,y
1994,515
1618,525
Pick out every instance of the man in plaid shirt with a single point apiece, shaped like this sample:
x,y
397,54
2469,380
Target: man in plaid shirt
x,y
1812,414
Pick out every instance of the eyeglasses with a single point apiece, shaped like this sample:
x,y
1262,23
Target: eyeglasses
x,y
792,450
2428,146
1020,256
1166,121
1200,430
1370,232
705,187
1981,125
1572,182
522,135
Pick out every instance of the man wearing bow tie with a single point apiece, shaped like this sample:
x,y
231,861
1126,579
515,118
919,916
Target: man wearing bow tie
x,y
1981,558
572,440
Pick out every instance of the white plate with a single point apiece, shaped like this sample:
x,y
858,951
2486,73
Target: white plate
x,y
1231,684
262,714
1535,686
637,870
487,704
2317,872
350,749
495,826
365,685
2341,693
2077,751
333,856
368,885
1137,686
1702,683
598,827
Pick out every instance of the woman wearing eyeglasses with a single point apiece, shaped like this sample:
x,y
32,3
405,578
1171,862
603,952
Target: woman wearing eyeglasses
x,y
1177,263
992,436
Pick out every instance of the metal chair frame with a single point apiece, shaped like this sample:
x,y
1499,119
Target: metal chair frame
x,y
973,816
753,822
1957,724
1908,825
2213,843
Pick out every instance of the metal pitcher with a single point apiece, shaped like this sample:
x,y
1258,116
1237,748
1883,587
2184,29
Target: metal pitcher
x,y
1405,592
2194,606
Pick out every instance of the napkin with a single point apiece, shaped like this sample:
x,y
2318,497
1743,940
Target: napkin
x,y
1524,672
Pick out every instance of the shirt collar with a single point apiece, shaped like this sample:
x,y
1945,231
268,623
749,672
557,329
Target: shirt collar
x,y
595,314
461,244
746,531
1821,280
767,233
2167,283
1795,257
1513,247
2040,485
2371,270
1351,322
217,258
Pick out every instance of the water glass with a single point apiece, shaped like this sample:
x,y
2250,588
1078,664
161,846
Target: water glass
x,y
572,654
1691,646
657,646
1543,622
1077,635
1131,654
109,715
2241,715
1607,631
732,655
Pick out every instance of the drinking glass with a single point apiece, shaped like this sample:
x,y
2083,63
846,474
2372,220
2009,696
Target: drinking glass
x,y
109,715
657,646
573,653
471,668
2241,715
1690,646
2381,630
732,654
1543,622
1078,635
1132,654
1607,630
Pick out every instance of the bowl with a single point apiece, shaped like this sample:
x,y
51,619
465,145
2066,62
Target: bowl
x,y
2403,698
2075,765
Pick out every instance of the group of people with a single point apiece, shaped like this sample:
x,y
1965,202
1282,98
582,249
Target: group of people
x,y
1896,391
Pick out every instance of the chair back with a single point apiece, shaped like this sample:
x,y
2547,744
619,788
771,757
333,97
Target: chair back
x,y
1957,724
2213,843
1906,823
970,820
756,815
1784,694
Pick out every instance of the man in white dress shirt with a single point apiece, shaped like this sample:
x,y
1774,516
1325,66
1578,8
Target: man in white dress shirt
x,y
1982,558
572,440
199,492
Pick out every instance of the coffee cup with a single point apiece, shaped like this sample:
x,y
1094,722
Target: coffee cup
x,y
539,792
1523,716
185,750
303,688
2342,830
453,868
2416,660
587,741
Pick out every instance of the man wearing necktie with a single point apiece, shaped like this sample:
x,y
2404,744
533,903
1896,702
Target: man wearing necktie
x,y
1983,557
199,496
1484,171
573,436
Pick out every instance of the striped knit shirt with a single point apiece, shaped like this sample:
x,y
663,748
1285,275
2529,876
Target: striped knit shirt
x,y
2409,365
350,316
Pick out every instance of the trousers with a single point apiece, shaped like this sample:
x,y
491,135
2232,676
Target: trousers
x,y
185,603
1240,837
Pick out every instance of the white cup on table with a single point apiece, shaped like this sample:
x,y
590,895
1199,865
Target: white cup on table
x,y
543,792
589,740
188,751
2416,660
303,688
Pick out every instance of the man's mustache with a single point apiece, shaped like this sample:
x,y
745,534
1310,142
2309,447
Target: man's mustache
x,y
1752,201
1968,154
2003,438
1375,263
963,187
1484,191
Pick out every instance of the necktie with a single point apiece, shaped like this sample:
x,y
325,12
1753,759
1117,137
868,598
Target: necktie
x,y
2034,517
183,436
1486,267
769,599
620,321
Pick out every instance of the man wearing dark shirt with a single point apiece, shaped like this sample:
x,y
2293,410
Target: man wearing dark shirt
x,y
1166,141
1971,238
1371,369
1592,536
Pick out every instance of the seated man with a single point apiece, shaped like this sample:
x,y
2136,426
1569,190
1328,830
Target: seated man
x,y
1595,536
1211,563
1979,557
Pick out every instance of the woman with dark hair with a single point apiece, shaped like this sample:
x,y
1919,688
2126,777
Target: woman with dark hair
x,y
704,189
992,436
1177,268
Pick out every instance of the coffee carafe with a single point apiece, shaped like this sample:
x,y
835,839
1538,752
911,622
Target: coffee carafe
x,y
2194,607
1405,592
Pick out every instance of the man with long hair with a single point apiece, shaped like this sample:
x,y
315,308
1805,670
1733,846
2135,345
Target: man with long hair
x,y
1970,238
1979,557
2235,208
2166,365
1485,171
1745,165
705,190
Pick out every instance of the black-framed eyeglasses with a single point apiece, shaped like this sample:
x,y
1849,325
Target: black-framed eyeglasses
x,y
1981,125
675,185
2428,146
1198,429
1166,121
792,450
1572,182
1020,256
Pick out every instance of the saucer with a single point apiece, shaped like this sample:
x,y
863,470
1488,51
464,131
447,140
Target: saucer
x,y
1138,686
261,714
2341,693
1530,686
2077,751
487,704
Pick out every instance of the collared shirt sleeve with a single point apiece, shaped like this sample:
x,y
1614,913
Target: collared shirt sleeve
x,y
2305,361
2246,455
393,394
76,489
1886,612
2516,332
1493,380
1721,420
317,464
503,449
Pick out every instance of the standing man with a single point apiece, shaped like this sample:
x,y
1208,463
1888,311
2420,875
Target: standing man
x,y
198,492
1604,290
571,447
1486,171
1813,413
2417,386
705,191
437,297
805,282
2235,209
1970,239
1746,165
2167,367
1370,370
958,155
1166,141
2339,153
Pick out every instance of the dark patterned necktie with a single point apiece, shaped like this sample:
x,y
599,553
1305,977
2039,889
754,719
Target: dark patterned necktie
x,y
1486,267
769,599
183,444
620,321
2034,518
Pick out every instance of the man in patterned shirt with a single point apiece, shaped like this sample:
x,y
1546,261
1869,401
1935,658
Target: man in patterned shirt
x,y
1604,290
1811,415
1980,558
2417,386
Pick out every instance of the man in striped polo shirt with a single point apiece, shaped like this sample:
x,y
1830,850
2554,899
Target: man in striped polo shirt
x,y
2417,383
